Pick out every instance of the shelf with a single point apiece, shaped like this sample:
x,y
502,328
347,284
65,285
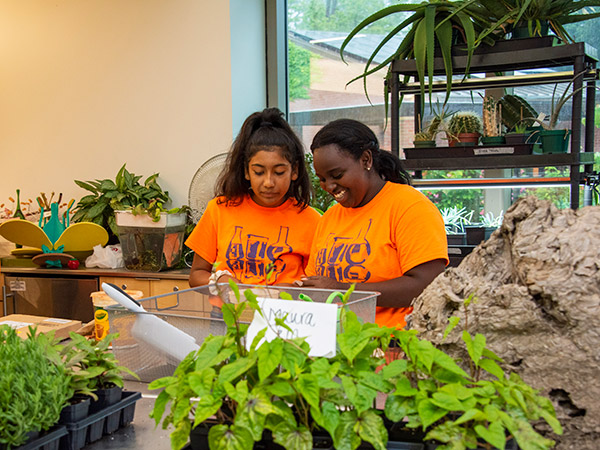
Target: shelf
x,y
482,183
506,56
499,162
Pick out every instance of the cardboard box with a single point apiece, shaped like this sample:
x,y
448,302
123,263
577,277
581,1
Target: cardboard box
x,y
21,323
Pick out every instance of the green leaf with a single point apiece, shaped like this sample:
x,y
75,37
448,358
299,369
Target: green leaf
x,y
297,438
159,406
397,408
491,367
395,368
236,368
429,412
181,434
281,389
452,322
206,411
372,429
404,388
446,401
470,414
308,386
223,437
474,346
494,435
269,357
328,417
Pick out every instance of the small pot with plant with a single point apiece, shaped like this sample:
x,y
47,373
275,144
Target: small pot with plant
x,y
455,220
94,370
275,393
492,122
464,128
425,138
482,230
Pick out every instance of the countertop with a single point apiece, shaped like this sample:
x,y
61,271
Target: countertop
x,y
177,274
141,433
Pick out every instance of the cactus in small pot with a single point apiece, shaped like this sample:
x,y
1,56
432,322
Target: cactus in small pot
x,y
464,127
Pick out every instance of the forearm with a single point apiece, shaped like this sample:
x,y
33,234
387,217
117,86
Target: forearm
x,y
199,277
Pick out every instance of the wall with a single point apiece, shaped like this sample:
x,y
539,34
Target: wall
x,y
86,86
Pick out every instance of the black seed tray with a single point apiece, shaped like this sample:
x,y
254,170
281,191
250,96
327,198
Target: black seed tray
x,y
46,441
96,425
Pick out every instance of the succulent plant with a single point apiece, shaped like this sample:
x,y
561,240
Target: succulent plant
x,y
464,122
491,116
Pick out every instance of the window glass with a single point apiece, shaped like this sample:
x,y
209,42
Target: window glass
x,y
320,91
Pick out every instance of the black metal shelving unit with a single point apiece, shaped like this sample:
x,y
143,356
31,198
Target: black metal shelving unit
x,y
506,56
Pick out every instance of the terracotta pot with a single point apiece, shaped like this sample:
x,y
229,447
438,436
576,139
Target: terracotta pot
x,y
466,139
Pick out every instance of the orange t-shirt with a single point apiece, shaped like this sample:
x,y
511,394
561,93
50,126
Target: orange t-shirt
x,y
396,231
245,238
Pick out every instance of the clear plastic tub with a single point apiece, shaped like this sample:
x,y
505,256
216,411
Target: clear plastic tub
x,y
197,312
147,245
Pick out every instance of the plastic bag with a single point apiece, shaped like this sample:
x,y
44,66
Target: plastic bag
x,y
109,257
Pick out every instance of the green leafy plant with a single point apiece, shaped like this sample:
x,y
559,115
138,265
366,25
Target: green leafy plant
x,y
91,364
278,387
455,219
429,25
33,386
321,199
124,193
495,17
490,220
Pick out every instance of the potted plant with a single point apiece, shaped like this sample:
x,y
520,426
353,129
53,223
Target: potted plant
x,y
33,387
277,394
464,128
455,220
529,18
94,370
425,138
125,192
492,123
431,27
482,230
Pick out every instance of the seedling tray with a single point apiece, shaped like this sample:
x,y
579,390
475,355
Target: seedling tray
x,y
47,441
101,423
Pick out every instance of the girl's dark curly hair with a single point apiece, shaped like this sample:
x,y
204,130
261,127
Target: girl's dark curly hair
x,y
354,137
265,130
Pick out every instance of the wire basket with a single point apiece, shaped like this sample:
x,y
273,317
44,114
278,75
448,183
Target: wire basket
x,y
197,312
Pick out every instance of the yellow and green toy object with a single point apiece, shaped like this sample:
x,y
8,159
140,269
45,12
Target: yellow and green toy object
x,y
55,238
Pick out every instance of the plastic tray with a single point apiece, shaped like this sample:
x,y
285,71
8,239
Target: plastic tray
x,y
197,312
101,423
47,441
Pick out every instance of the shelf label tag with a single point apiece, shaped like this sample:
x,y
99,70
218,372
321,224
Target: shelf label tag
x,y
317,322
17,285
494,151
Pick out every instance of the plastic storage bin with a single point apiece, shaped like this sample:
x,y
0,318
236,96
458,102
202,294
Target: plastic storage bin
x,y
197,312
148,245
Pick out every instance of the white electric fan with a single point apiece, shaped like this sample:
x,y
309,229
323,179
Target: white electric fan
x,y
202,187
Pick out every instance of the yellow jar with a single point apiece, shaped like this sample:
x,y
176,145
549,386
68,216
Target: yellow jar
x,y
101,300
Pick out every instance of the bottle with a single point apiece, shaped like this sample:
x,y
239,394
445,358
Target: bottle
x,y
18,213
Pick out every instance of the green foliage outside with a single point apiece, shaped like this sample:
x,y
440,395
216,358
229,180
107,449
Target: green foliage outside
x,y
299,71
321,200
470,199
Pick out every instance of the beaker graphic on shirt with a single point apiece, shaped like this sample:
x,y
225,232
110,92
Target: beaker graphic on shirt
x,y
360,248
276,250
256,247
235,251
321,258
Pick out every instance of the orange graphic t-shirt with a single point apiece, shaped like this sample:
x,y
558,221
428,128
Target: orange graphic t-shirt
x,y
396,231
245,238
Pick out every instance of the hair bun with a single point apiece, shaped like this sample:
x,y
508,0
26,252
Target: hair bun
x,y
265,123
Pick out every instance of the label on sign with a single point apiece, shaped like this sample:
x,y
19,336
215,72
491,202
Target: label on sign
x,y
17,286
317,322
494,151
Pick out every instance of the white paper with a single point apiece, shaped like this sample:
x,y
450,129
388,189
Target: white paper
x,y
494,151
53,320
15,325
317,322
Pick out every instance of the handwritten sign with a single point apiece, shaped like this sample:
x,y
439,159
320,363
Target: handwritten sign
x,y
494,151
317,322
